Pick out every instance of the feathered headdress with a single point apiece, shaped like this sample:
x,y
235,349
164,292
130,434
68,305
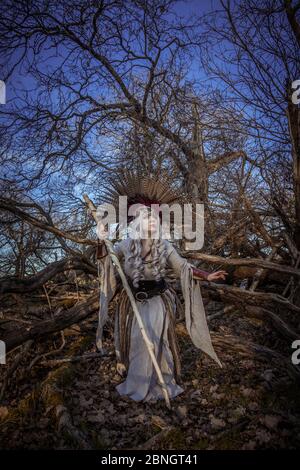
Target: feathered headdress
x,y
142,188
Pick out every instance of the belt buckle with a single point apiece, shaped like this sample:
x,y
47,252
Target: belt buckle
x,y
141,295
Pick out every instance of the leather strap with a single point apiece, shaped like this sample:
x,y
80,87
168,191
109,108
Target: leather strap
x,y
101,250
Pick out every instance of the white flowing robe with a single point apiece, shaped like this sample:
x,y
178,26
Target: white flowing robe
x,y
141,380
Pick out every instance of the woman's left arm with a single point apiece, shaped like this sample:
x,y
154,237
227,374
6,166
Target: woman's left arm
x,y
206,276
176,262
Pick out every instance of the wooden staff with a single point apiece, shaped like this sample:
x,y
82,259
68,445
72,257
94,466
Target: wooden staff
x,y
149,344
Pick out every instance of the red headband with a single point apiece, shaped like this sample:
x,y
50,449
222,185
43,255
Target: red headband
x,y
145,202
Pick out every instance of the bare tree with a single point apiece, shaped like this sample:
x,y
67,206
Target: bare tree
x,y
108,83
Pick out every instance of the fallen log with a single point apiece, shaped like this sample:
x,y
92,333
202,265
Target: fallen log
x,y
42,329
241,297
253,262
256,351
278,324
31,283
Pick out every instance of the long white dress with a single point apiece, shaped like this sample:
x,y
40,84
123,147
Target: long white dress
x,y
141,381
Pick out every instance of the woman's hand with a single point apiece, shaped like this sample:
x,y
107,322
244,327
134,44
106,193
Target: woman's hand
x,y
217,275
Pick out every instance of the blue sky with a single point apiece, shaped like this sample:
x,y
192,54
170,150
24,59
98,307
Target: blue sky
x,y
22,81
184,8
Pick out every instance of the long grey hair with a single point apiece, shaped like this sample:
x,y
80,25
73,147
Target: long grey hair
x,y
158,256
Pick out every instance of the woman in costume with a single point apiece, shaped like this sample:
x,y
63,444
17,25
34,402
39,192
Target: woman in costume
x,y
149,262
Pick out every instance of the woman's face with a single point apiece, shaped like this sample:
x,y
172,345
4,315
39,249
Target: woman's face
x,y
149,224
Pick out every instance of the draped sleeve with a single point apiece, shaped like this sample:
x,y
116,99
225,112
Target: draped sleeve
x,y
108,285
195,316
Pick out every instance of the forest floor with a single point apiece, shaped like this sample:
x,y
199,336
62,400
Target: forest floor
x,y
248,404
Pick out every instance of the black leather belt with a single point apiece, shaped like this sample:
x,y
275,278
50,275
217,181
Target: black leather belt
x,y
148,288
